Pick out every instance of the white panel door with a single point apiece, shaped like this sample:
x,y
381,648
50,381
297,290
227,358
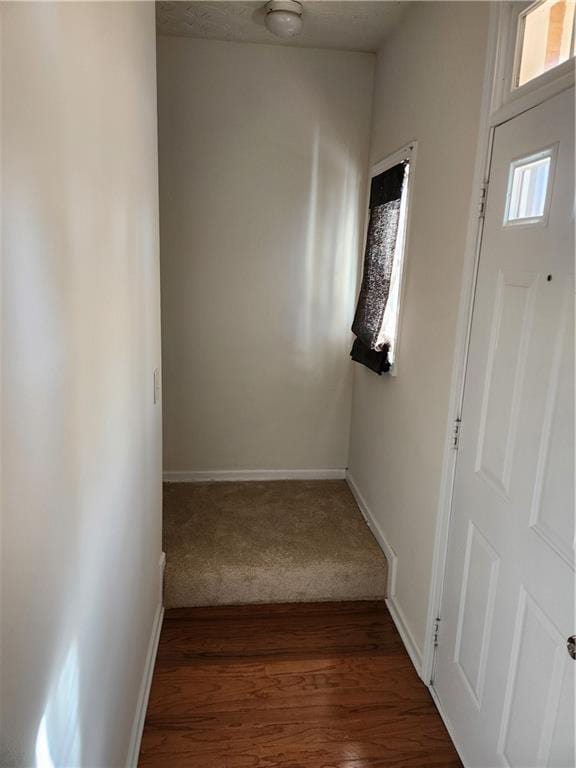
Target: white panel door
x,y
503,673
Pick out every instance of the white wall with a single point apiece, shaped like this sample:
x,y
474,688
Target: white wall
x,y
81,496
429,78
263,151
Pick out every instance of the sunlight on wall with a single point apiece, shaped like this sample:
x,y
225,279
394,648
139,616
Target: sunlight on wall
x,y
262,189
81,465
58,741
310,250
328,286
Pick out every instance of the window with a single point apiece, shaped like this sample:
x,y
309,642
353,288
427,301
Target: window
x,y
376,321
528,188
389,330
545,38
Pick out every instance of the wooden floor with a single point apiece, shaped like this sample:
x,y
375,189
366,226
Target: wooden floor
x,y
324,685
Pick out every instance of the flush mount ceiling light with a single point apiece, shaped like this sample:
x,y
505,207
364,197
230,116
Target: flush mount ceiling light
x,y
284,17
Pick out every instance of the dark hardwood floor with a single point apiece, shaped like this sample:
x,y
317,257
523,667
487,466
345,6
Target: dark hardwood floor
x,y
321,685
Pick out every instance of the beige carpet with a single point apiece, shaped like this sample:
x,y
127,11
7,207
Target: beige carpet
x,y
286,541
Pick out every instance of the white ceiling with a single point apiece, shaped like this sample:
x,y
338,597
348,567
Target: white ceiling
x,y
355,25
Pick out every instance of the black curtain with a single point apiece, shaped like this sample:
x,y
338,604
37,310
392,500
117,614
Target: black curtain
x,y
385,196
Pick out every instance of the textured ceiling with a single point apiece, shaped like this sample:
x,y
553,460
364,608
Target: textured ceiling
x,y
355,25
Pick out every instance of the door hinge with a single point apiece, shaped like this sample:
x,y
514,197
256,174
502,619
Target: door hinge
x,y
436,630
482,202
456,433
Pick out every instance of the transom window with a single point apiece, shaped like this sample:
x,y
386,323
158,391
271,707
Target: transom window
x,y
545,38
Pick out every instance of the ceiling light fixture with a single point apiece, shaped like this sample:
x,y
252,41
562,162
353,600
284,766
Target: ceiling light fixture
x,y
284,17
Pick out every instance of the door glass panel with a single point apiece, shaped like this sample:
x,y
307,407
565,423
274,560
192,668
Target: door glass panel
x,y
528,188
546,38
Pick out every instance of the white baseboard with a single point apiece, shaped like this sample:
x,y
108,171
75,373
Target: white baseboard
x,y
407,638
148,672
392,558
374,526
228,475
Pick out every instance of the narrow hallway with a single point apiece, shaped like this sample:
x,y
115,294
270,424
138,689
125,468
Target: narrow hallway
x,y
314,685
287,437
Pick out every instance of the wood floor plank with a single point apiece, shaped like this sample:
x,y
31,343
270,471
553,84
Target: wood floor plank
x,y
274,631
292,686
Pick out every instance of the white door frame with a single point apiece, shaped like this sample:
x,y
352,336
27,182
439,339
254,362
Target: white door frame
x,y
499,104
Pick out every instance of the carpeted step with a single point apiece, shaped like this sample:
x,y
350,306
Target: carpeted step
x,y
268,542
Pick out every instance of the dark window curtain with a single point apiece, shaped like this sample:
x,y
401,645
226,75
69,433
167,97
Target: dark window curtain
x,y
385,196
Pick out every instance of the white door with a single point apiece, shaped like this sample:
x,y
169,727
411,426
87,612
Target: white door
x,y
503,675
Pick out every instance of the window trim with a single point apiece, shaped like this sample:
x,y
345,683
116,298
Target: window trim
x,y
407,152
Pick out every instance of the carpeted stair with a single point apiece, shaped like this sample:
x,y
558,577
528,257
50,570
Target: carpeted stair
x,y
268,542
